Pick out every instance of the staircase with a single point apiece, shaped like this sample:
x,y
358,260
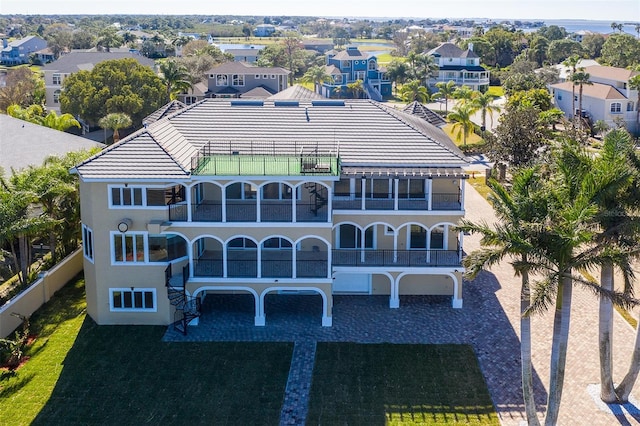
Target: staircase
x,y
318,195
187,307
372,92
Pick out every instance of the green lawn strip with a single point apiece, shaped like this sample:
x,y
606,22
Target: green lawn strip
x,y
452,133
81,373
388,384
496,90
478,181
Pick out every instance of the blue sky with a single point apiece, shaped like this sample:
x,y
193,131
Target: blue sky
x,y
613,10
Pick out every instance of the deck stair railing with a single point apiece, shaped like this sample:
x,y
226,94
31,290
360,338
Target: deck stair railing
x,y
187,307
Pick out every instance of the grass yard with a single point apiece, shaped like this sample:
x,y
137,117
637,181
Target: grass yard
x,y
388,384
472,138
479,183
496,91
80,373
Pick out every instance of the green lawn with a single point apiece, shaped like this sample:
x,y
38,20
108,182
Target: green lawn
x,y
472,138
80,373
388,384
496,90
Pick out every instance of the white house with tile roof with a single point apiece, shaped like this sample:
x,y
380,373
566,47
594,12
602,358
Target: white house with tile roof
x,y
460,66
608,98
285,196
234,79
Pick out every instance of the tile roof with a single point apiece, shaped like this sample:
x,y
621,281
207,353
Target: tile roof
x,y
244,68
351,54
76,61
446,50
365,133
469,54
332,70
595,90
163,111
295,92
418,109
23,144
260,92
612,73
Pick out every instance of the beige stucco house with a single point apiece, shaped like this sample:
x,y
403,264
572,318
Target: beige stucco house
x,y
307,196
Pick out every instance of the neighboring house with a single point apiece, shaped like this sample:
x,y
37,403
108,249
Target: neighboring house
x,y
19,51
419,110
608,98
270,197
295,92
44,56
264,30
55,72
245,54
25,144
319,46
461,66
350,65
234,79
565,71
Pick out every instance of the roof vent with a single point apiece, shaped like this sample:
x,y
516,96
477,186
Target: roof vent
x,y
327,102
246,102
286,103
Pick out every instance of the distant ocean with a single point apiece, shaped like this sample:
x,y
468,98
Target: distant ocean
x,y
603,27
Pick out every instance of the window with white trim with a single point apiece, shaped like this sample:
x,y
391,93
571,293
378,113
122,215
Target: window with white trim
x,y
56,96
128,247
138,196
222,80
372,65
616,107
629,106
126,196
87,242
188,100
132,299
257,77
57,79
238,80
273,76
166,247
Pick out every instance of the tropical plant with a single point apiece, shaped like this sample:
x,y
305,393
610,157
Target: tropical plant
x,y
115,121
397,71
317,75
483,102
445,90
634,84
414,91
518,211
572,62
600,127
463,94
175,78
580,79
356,89
461,117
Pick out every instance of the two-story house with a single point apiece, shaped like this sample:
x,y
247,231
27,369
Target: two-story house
x,y
264,30
607,98
237,79
317,197
460,66
55,72
350,65
19,51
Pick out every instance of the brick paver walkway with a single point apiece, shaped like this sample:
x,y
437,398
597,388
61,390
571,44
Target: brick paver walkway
x,y
489,321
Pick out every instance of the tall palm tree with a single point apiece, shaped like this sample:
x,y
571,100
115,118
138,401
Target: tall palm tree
x,y
60,122
397,71
463,94
516,210
413,91
634,84
620,230
483,102
175,77
427,67
115,121
581,79
317,75
445,90
461,117
356,88
572,62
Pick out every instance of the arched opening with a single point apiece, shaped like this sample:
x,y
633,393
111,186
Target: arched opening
x,y
207,258
312,202
276,203
241,202
312,258
242,258
206,202
276,258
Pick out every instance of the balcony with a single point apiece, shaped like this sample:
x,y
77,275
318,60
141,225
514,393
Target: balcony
x,y
246,211
384,201
405,258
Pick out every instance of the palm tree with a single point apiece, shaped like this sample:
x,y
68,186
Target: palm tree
x,y
634,84
581,79
619,230
463,94
516,210
356,88
32,113
317,75
60,122
483,102
445,90
413,91
397,71
637,28
115,121
572,62
600,126
461,117
427,67
175,77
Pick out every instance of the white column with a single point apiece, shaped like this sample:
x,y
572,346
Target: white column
x,y
258,212
429,194
363,187
224,205
260,317
395,245
460,239
394,298
191,259
294,259
329,260
362,240
259,256
188,197
327,319
462,187
456,300
330,204
395,194
294,204
225,271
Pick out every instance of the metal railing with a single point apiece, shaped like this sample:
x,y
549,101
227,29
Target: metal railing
x,y
375,257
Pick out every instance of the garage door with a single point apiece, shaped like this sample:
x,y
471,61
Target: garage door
x,y
352,283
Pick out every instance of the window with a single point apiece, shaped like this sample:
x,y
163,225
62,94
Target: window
x,y
265,76
126,196
629,106
372,65
277,243
418,237
87,242
346,64
133,299
257,77
238,80
273,76
188,100
337,79
56,96
388,230
166,247
437,238
559,96
222,80
165,196
469,61
616,107
57,79
128,247
242,243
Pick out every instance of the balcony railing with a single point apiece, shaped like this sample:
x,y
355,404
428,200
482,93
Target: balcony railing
x,y
275,264
246,211
384,201
413,258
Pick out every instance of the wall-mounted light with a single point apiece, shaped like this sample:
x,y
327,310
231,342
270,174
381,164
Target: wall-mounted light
x,y
124,225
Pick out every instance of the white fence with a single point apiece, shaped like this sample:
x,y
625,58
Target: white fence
x,y
39,293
